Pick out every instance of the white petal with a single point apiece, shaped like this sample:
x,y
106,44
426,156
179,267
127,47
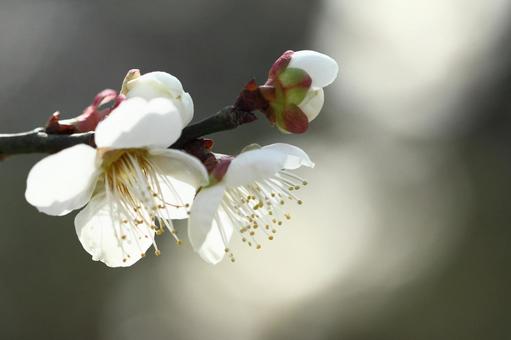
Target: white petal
x,y
320,67
139,123
204,232
263,163
64,181
180,165
254,165
161,84
181,176
312,103
185,105
295,157
155,84
100,235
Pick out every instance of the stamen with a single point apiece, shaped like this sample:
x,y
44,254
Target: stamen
x,y
256,209
135,198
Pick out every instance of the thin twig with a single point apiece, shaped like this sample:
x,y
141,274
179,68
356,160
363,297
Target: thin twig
x,y
226,119
38,141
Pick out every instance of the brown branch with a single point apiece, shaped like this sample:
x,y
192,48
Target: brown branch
x,y
226,119
38,141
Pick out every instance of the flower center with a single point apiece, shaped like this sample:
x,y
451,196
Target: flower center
x,y
137,194
257,210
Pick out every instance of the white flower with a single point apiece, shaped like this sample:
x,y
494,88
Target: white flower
x,y
132,184
249,199
160,84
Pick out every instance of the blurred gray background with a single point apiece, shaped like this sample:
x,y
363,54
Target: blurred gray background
x,y
404,233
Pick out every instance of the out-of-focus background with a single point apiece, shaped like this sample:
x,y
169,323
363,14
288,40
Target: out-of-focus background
x,y
405,229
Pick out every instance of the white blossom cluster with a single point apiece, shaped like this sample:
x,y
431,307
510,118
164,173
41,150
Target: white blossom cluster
x,y
132,186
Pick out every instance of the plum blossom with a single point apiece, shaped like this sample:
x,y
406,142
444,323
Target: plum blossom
x,y
131,185
294,89
245,195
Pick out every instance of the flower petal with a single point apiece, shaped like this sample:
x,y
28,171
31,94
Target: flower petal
x,y
161,84
154,84
180,165
312,103
102,235
263,163
208,237
321,68
63,181
253,165
140,123
180,177
295,157
185,106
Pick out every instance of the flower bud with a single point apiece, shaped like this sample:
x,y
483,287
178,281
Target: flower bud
x,y
104,103
294,89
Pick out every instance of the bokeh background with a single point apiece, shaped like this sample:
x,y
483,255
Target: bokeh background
x,y
404,233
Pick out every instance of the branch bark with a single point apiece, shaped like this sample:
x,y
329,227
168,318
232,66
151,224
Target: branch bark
x,y
38,141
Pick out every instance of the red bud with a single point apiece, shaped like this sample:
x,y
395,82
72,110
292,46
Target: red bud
x,y
104,103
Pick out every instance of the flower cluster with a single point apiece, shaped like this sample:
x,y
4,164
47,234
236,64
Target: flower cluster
x,y
132,185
